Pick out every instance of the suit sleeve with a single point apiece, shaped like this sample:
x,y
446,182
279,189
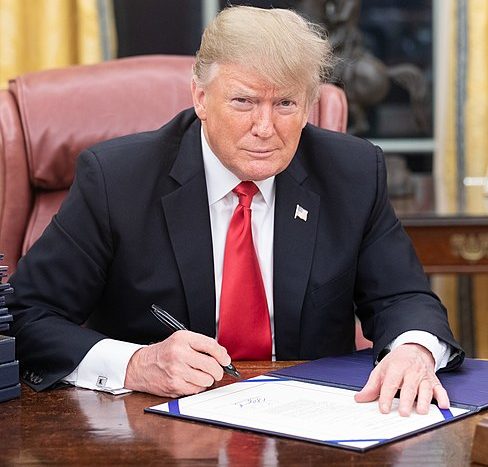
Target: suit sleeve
x,y
59,281
392,292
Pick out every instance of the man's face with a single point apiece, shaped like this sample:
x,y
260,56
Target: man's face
x,y
252,126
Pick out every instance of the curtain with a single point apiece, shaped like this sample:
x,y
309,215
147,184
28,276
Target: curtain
x,y
461,157
41,34
476,142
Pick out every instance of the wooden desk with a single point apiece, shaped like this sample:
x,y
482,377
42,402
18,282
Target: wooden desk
x,y
446,240
79,427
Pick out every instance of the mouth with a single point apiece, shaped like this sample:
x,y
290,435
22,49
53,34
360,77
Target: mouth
x,y
261,152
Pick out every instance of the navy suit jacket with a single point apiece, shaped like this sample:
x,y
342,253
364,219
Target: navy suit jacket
x,y
135,230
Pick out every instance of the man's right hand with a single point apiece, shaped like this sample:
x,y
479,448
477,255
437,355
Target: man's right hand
x,y
184,363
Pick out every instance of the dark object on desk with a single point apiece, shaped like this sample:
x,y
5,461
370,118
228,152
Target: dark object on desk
x,y
7,349
9,374
5,289
479,453
9,367
6,318
173,324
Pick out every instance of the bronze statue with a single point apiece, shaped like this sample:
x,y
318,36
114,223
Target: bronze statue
x,y
366,79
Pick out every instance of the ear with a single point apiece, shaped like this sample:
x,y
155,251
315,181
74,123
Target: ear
x,y
199,100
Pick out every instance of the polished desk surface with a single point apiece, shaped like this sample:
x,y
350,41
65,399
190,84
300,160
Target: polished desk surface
x,y
73,426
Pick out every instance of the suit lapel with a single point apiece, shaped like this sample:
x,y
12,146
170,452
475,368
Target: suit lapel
x,y
188,221
294,243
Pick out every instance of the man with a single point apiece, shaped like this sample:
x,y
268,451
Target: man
x,y
243,222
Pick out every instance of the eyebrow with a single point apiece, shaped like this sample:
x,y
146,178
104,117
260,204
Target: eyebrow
x,y
241,90
247,92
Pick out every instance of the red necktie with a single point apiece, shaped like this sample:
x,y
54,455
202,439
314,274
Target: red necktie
x,y
244,327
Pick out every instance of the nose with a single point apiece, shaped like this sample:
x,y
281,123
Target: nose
x,y
263,125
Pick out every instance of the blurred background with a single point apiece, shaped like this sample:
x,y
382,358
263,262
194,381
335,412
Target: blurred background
x,y
415,74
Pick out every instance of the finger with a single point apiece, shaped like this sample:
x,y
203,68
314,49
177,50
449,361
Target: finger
x,y
440,395
424,398
198,378
207,345
412,386
189,365
391,384
181,379
206,365
183,389
371,389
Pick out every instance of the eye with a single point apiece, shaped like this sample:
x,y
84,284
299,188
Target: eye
x,y
287,106
241,101
287,103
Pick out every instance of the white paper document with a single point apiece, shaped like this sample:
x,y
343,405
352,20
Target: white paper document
x,y
302,410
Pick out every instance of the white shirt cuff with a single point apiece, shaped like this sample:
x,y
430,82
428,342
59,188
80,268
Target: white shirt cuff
x,y
104,366
439,350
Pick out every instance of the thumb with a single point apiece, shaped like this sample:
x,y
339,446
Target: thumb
x,y
371,390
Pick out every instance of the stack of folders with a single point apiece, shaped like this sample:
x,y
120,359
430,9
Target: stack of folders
x,y
9,367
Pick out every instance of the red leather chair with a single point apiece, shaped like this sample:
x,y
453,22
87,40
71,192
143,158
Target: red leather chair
x,y
48,117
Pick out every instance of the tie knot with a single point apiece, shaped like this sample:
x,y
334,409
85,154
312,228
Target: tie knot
x,y
246,191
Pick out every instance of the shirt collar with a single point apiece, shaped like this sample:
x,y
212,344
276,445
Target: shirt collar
x,y
221,181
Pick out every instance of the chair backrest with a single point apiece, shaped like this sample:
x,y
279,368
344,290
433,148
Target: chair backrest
x,y
48,117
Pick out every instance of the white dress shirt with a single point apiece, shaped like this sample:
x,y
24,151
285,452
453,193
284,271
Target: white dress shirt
x,y
104,366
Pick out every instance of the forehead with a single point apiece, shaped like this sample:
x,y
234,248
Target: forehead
x,y
241,78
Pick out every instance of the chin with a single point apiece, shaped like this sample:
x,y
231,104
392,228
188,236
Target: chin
x,y
256,176
258,171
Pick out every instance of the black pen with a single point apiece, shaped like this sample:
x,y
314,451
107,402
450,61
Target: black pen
x,y
175,325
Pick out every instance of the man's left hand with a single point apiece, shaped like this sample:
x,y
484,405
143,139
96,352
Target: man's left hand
x,y
409,368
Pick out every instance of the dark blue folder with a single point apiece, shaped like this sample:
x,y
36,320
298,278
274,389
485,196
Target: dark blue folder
x,y
467,386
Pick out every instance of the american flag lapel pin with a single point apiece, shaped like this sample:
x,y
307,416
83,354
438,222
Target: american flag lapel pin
x,y
301,213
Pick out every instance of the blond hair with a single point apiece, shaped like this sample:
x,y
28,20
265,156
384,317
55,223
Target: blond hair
x,y
279,44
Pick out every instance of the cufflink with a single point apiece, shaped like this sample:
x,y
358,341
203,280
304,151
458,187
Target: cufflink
x,y
101,381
